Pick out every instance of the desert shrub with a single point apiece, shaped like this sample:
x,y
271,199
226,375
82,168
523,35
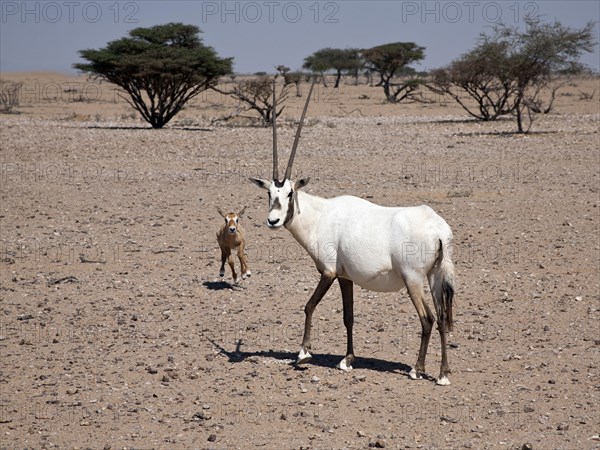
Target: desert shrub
x,y
10,92
515,72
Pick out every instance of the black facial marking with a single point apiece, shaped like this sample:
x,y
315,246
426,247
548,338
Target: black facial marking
x,y
290,211
276,204
278,184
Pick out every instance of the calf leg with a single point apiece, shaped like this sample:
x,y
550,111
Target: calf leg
x,y
241,253
231,261
224,256
324,284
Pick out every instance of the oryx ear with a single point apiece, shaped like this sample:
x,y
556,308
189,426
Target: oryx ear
x,y
241,213
264,184
301,183
220,212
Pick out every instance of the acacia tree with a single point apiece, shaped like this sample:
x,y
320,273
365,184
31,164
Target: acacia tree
x,y
507,72
161,68
294,78
392,60
340,60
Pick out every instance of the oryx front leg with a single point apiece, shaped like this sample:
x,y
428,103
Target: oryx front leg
x,y
348,303
324,284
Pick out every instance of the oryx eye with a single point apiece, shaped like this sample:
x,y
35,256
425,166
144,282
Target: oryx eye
x,y
290,194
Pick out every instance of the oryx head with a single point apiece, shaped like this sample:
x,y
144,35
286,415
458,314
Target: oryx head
x,y
231,219
282,193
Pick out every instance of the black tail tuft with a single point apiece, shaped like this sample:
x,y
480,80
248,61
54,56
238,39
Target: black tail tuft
x,y
448,295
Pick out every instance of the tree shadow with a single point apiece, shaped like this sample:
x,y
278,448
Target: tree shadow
x,y
148,128
504,133
321,360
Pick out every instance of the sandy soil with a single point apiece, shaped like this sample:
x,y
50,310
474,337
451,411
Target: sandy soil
x,y
116,331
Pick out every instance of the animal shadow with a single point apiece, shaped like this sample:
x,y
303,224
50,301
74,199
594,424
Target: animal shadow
x,y
220,285
320,360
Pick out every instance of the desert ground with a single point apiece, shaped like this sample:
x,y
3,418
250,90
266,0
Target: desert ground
x,y
116,331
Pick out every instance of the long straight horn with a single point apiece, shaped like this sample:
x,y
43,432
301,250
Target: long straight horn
x,y
274,119
288,170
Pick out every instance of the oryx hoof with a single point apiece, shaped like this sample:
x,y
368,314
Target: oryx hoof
x,y
413,374
222,273
443,381
345,365
303,357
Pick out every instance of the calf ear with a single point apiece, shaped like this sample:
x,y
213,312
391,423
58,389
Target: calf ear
x,y
264,184
301,183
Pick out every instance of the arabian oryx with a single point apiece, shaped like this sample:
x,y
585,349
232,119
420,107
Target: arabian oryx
x,y
230,236
379,248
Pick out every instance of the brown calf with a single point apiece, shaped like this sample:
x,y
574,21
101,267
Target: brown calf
x,y
232,236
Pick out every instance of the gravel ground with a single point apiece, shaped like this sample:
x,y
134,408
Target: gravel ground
x,y
116,331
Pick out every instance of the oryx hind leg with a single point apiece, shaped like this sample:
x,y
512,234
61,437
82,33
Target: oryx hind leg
x,y
437,286
416,293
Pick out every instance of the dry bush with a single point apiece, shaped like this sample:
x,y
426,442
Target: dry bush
x,y
10,93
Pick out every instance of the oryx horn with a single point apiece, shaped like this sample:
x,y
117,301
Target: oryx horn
x,y
288,170
274,119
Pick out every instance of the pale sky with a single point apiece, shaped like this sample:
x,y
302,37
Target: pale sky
x,y
46,35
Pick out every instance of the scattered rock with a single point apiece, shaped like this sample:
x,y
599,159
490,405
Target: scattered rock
x,y
202,415
24,317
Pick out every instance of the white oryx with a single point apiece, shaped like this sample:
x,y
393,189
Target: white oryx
x,y
379,248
